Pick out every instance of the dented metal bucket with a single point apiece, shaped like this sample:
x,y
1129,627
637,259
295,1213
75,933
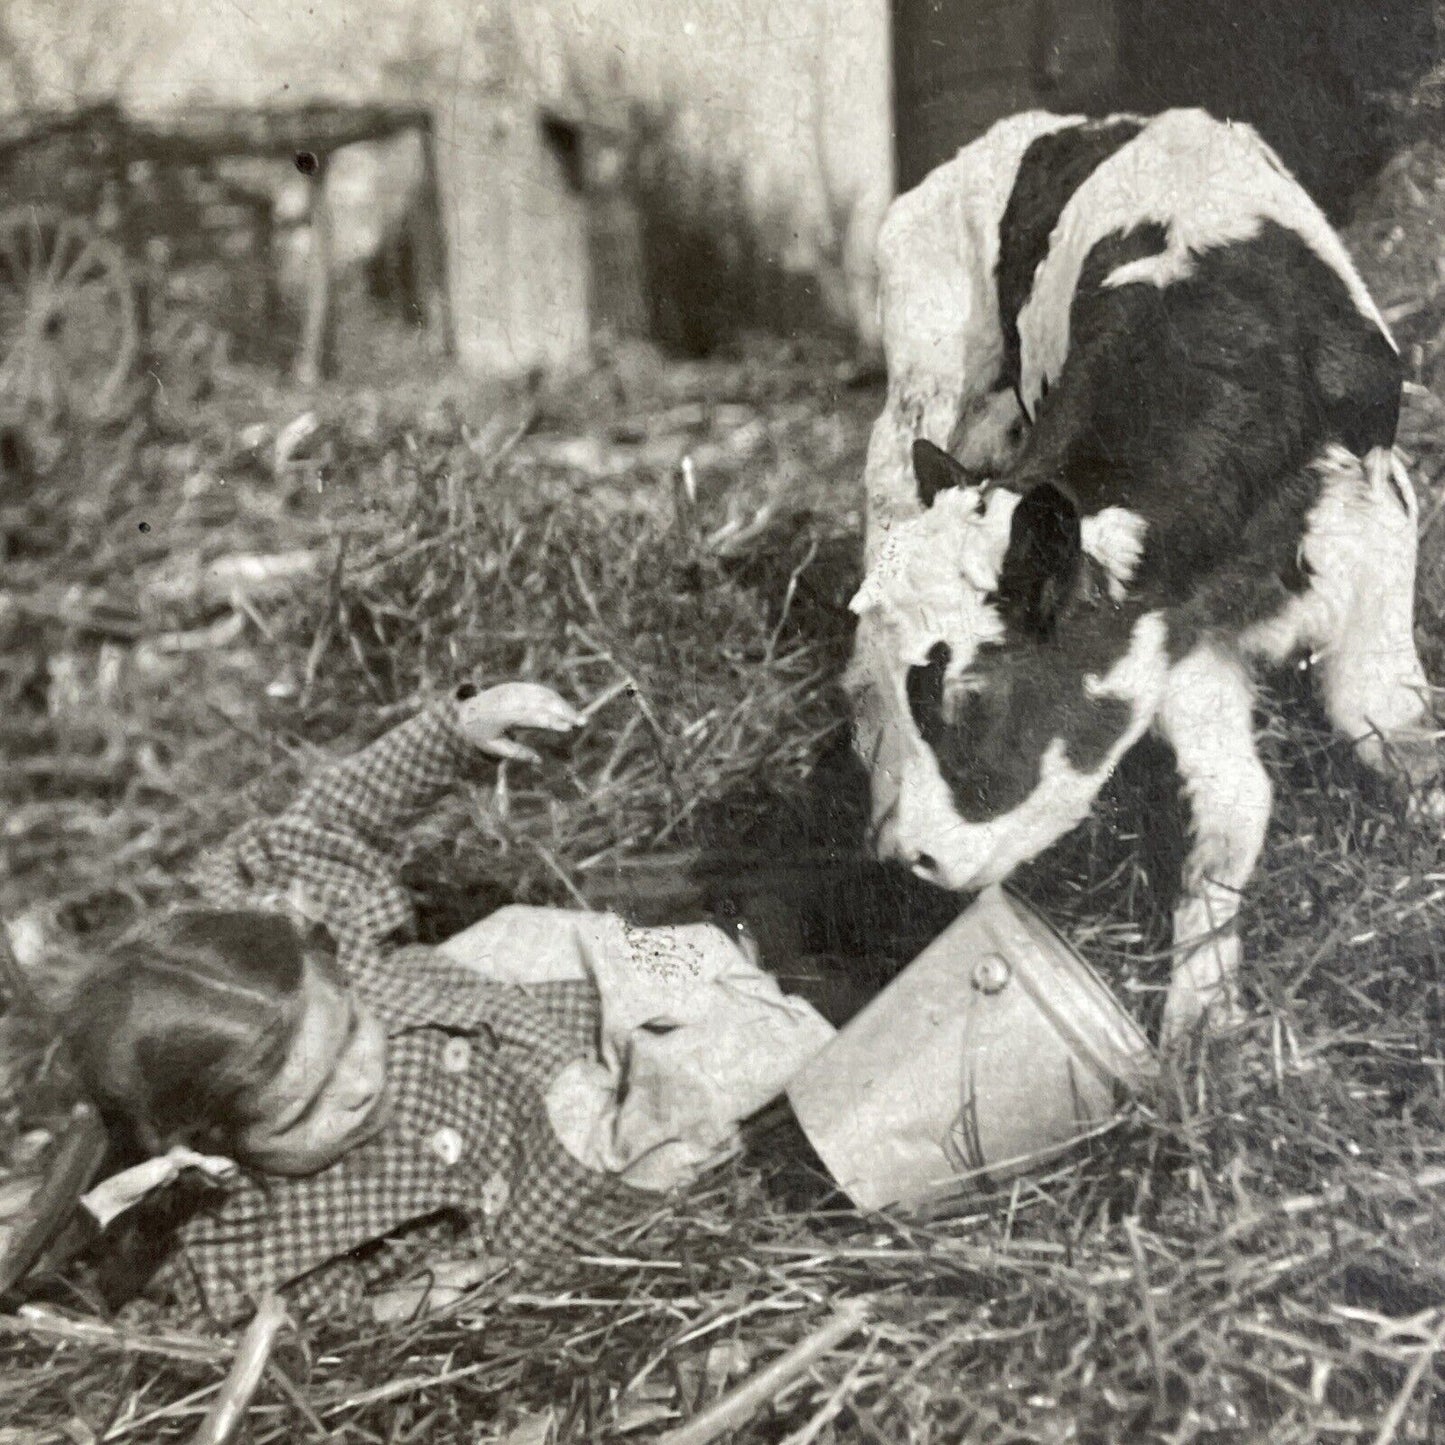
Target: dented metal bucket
x,y
993,1052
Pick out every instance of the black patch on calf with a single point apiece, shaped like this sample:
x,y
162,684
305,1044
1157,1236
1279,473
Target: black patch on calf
x,y
1041,565
1022,697
1053,167
1358,378
935,471
1120,248
1264,572
1202,405
1296,574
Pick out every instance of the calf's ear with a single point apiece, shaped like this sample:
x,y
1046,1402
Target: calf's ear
x,y
1042,563
935,471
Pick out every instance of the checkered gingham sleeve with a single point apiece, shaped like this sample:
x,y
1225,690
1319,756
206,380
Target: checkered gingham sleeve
x,y
333,853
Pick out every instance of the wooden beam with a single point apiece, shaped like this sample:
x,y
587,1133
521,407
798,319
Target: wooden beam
x,y
316,354
265,219
431,256
202,133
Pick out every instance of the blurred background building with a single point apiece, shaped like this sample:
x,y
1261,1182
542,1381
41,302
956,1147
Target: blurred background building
x,y
684,168
555,122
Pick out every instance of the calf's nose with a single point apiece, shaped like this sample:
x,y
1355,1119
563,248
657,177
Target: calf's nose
x,y
922,865
883,832
890,846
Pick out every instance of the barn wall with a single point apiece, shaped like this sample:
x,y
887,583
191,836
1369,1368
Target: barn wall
x,y
797,94
519,270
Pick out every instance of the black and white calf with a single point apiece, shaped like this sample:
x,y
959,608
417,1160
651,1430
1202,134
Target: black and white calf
x,y
1168,406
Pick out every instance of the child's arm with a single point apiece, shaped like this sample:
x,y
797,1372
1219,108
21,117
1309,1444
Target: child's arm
x,y
376,793
333,853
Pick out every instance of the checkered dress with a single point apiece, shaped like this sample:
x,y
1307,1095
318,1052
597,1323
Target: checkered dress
x,y
468,1061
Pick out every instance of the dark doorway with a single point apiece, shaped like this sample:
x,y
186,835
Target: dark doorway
x,y
958,65
1316,77
1313,76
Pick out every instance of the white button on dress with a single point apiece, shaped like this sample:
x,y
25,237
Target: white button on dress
x,y
457,1056
446,1144
495,1193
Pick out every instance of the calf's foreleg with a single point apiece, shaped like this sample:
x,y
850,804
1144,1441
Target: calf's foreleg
x,y
1207,717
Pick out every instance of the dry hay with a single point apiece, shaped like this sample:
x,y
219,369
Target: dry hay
x,y
1257,1254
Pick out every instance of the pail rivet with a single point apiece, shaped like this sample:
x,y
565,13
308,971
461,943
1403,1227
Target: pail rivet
x,y
991,973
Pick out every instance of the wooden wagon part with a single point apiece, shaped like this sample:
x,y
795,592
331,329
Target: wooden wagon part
x,y
309,135
70,333
80,167
67,159
206,245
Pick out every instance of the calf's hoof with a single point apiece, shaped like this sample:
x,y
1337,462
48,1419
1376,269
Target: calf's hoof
x,y
1426,805
1413,756
1411,761
1203,993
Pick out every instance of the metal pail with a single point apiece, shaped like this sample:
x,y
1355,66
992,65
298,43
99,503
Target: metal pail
x,y
996,1049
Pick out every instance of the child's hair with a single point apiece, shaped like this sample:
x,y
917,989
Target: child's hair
x,y
187,1019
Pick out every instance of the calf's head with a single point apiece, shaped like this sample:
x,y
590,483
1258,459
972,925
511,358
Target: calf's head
x,y
1000,670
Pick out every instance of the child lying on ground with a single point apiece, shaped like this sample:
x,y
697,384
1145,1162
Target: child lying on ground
x,y
362,1087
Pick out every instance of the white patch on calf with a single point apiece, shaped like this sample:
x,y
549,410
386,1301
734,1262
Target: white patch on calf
x,y
938,303
1114,538
1208,183
926,586
1140,676
1359,547
1206,715
1357,616
931,576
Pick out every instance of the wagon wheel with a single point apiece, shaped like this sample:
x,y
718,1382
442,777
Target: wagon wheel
x,y
69,323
